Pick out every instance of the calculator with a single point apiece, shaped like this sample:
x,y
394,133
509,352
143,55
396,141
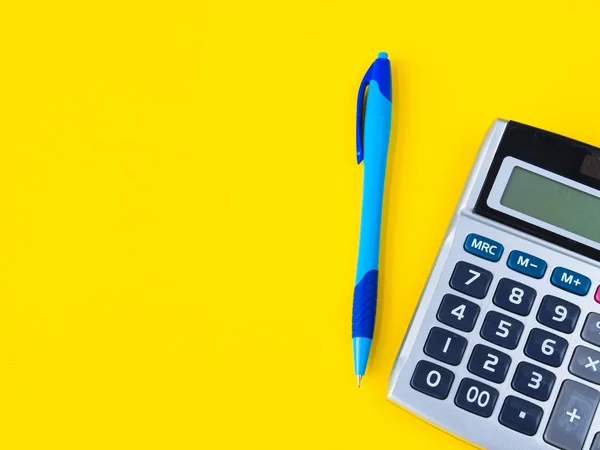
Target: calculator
x,y
503,349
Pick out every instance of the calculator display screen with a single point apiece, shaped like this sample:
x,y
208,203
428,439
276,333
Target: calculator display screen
x,y
553,202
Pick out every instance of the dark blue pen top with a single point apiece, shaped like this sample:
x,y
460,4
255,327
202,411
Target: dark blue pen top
x,y
381,72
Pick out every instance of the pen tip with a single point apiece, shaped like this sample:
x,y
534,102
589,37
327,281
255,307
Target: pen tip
x,y
382,55
359,377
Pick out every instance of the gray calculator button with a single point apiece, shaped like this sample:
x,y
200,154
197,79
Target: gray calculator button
x,y
585,363
591,329
596,443
572,416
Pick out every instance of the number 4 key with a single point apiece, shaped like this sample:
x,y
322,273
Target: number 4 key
x,y
458,313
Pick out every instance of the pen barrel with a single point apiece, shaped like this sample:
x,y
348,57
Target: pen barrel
x,y
378,115
364,305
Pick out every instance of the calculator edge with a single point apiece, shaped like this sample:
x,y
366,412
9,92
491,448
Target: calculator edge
x,y
473,183
472,186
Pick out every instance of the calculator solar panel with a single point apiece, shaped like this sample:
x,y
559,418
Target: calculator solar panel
x,y
503,350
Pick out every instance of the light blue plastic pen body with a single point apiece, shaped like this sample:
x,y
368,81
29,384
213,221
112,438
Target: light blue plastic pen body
x,y
373,136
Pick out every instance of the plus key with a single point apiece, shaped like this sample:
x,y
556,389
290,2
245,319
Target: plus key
x,y
572,416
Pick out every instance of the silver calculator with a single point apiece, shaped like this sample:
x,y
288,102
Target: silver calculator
x,y
503,350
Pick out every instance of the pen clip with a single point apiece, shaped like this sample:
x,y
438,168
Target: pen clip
x,y
359,114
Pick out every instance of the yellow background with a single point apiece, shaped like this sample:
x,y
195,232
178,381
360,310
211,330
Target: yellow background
x,y
180,202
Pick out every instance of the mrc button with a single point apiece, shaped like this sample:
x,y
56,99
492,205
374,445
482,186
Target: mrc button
x,y
483,247
526,264
570,281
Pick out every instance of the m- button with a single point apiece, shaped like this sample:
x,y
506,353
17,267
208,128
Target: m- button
x,y
527,264
483,247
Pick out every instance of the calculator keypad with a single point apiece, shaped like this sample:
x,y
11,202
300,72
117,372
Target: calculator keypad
x,y
471,280
476,397
546,347
503,327
501,330
445,346
559,314
514,296
458,313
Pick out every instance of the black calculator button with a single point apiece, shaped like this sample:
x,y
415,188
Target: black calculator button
x,y
476,397
432,380
533,381
501,330
471,280
520,415
546,347
514,296
558,314
445,346
458,312
489,363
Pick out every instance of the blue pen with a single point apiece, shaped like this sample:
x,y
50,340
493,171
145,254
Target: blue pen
x,y
372,140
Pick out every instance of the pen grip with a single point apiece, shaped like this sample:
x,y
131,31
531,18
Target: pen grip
x,y
365,305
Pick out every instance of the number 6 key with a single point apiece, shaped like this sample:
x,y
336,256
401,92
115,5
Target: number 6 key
x,y
546,347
